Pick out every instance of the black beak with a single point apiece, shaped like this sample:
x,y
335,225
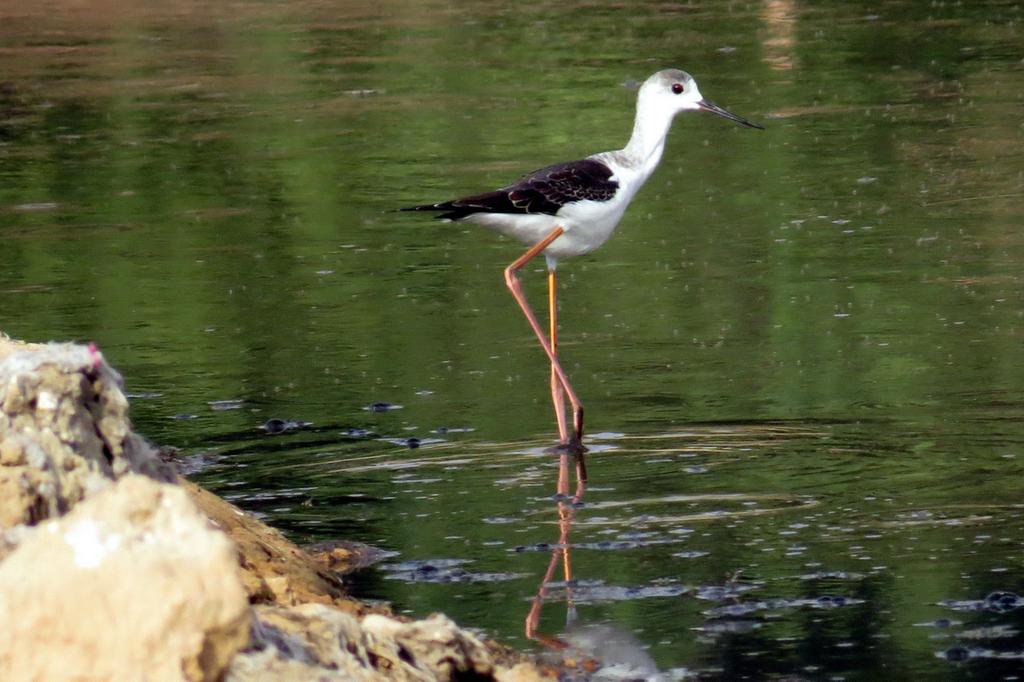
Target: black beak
x,y
713,108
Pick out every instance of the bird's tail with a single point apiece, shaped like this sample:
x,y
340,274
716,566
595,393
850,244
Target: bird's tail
x,y
442,206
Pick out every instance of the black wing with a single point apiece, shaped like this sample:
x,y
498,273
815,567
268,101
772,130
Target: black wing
x,y
542,191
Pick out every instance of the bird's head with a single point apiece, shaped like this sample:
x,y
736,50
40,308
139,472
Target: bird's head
x,y
675,91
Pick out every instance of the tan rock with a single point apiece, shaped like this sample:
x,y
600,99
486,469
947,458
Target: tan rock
x,y
314,642
109,575
345,556
131,585
274,569
434,647
523,672
64,430
311,642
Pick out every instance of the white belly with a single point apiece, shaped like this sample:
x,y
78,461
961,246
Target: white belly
x,y
587,225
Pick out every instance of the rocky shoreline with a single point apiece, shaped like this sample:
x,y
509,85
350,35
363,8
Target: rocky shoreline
x,y
113,567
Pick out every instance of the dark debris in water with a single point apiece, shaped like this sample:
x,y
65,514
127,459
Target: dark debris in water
x,y
959,654
442,571
382,407
275,426
939,623
536,547
997,602
412,442
955,654
442,430
623,544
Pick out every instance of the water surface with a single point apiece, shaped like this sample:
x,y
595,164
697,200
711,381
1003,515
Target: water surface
x,y
800,354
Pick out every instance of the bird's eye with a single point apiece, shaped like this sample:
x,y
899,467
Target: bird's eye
x,y
677,88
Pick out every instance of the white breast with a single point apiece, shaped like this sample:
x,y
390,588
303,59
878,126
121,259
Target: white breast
x,y
587,224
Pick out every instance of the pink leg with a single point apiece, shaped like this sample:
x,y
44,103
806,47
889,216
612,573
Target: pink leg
x,y
558,397
575,441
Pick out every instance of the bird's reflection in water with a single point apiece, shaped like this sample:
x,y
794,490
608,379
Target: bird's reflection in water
x,y
561,553
583,649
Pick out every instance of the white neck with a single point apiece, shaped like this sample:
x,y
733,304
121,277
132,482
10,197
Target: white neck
x,y
643,151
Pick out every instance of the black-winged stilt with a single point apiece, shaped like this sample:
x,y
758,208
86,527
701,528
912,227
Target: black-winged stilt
x,y
570,209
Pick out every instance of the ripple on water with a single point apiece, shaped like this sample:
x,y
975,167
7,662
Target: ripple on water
x,y
939,623
596,592
747,608
223,405
500,520
718,628
358,433
722,592
991,632
832,575
442,571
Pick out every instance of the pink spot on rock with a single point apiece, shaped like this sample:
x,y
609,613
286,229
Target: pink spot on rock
x,y
96,355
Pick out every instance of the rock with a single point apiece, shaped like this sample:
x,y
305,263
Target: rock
x,y
524,672
132,584
304,643
313,642
274,569
64,431
434,647
113,568
346,556
65,435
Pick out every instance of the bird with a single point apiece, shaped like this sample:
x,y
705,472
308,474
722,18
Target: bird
x,y
570,209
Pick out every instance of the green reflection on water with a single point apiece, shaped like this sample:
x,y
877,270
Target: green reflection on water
x,y
207,194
